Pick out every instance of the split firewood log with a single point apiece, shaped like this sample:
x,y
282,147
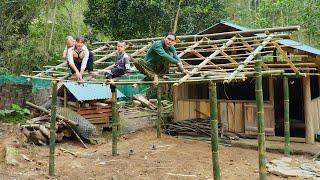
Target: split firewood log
x,y
59,136
37,138
45,131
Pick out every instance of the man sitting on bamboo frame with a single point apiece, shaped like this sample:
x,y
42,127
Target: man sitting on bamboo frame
x,y
159,56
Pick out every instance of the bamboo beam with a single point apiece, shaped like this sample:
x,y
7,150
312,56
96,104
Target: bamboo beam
x,y
248,59
100,48
307,110
51,69
159,108
286,117
188,49
105,57
284,55
216,35
114,124
186,77
214,130
53,129
261,128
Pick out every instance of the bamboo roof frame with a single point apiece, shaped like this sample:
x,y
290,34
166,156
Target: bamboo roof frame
x,y
230,53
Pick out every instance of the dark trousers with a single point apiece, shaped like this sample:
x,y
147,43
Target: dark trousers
x,y
89,64
150,70
115,72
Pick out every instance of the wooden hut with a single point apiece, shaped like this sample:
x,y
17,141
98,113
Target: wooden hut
x,y
92,101
236,101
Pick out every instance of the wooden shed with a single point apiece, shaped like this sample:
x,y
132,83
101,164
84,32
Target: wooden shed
x,y
92,101
236,101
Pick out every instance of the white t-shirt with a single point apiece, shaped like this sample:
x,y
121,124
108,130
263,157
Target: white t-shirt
x,y
84,60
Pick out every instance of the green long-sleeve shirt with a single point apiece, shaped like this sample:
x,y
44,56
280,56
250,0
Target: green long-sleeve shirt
x,y
157,53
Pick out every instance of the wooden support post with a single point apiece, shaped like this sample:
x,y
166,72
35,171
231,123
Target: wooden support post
x,y
214,130
286,117
159,112
114,124
307,110
261,130
53,130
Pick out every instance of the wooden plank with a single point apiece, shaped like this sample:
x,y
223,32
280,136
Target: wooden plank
x,y
231,117
94,111
204,108
251,124
97,115
175,101
186,109
224,115
250,119
180,110
192,110
239,118
318,109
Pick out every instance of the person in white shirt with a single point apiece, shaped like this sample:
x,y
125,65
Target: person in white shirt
x,y
79,58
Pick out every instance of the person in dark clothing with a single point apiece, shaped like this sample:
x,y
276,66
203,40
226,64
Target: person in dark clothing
x,y
158,59
120,67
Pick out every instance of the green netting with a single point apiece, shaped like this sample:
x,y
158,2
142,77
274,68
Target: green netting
x,y
37,84
129,90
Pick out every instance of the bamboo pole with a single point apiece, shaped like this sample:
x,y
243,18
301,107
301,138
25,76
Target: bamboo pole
x,y
224,34
53,129
261,130
214,131
159,111
248,59
286,117
204,62
114,125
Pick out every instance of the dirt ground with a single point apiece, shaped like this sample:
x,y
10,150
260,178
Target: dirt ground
x,y
141,156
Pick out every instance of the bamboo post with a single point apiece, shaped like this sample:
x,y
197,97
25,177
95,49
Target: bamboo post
x,y
53,129
307,110
114,124
261,130
159,111
286,117
214,130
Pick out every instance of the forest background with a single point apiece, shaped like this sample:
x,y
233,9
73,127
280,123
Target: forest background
x,y
32,32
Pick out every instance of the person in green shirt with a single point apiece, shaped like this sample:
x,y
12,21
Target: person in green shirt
x,y
158,58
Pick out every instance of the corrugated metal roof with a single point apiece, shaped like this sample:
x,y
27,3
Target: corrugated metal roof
x,y
86,91
240,28
300,46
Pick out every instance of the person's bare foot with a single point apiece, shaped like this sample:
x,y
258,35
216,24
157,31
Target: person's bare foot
x,y
155,81
165,77
110,81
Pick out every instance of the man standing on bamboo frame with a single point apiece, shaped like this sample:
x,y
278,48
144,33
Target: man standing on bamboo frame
x,y
158,58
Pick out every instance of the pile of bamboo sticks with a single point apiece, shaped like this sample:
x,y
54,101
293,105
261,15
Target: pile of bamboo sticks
x,y
194,127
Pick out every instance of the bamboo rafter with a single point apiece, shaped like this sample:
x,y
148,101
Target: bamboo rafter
x,y
224,56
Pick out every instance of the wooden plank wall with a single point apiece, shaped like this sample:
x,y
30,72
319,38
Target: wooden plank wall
x,y
315,113
234,115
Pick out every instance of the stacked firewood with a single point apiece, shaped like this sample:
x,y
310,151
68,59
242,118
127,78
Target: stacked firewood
x,y
194,127
37,130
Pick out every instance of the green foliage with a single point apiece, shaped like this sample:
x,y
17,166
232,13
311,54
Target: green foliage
x,y
275,13
32,32
128,19
15,114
